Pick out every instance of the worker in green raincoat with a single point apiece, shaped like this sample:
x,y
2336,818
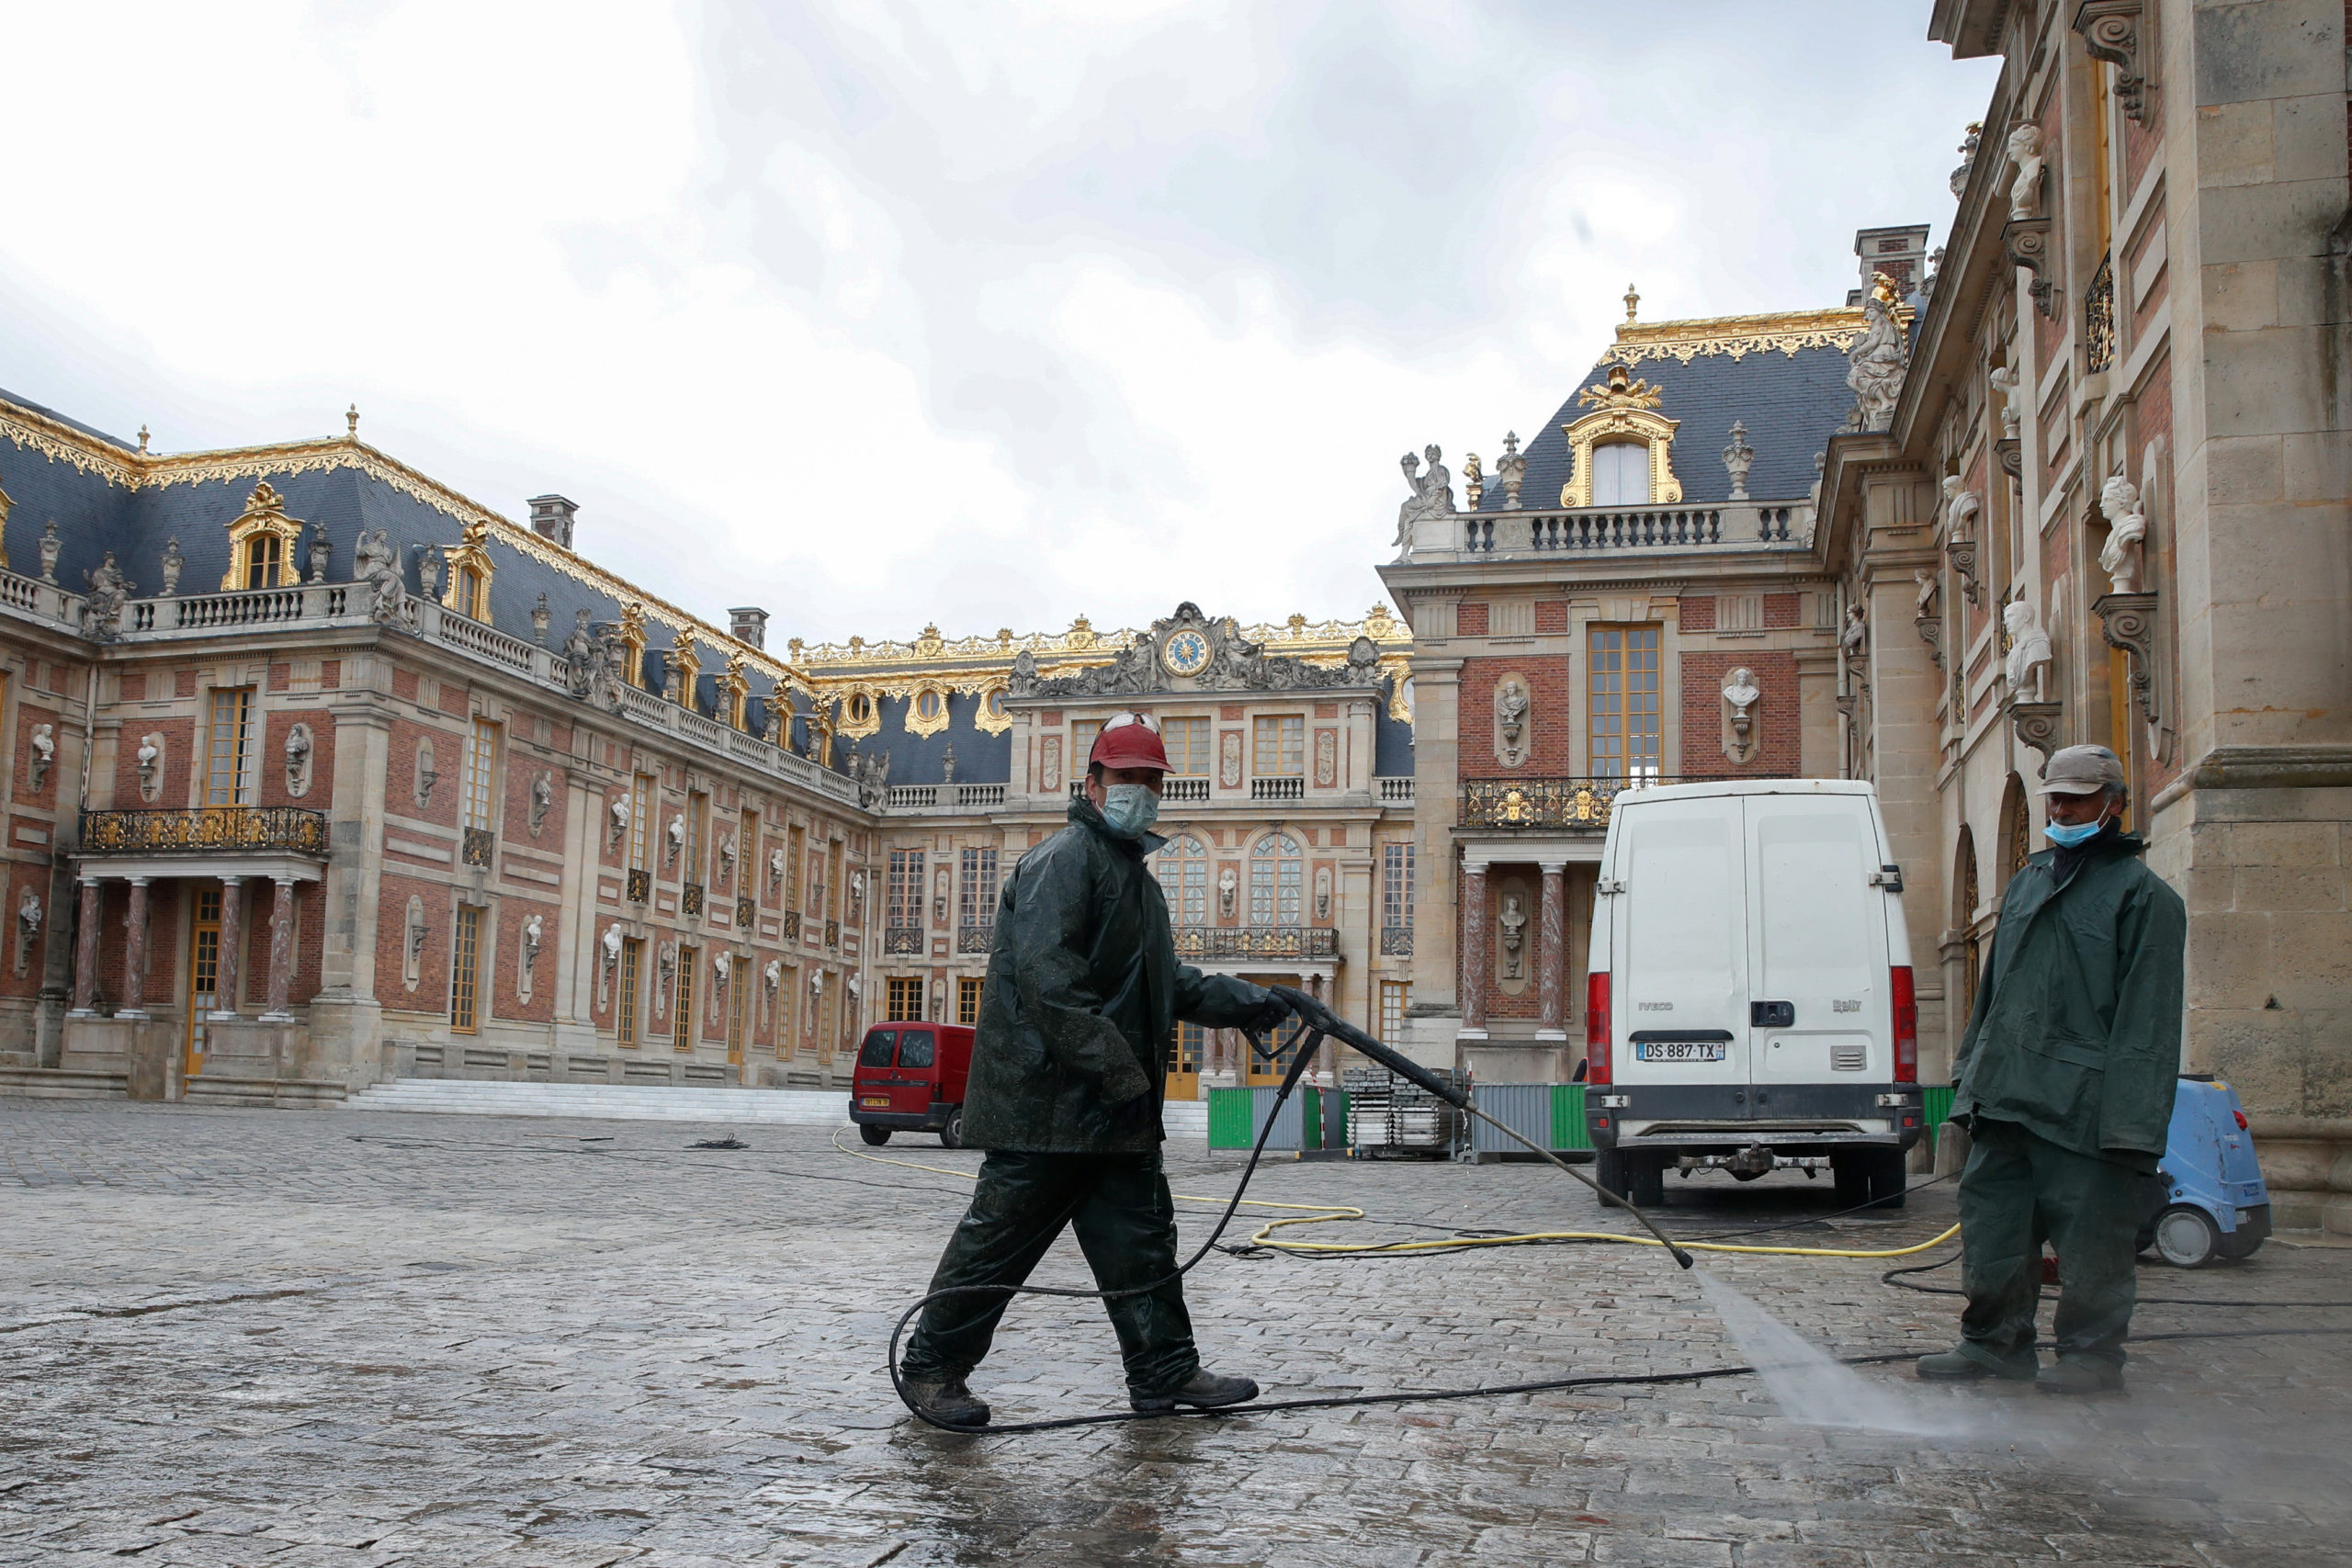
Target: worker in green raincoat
x,y
1068,1066
2064,1082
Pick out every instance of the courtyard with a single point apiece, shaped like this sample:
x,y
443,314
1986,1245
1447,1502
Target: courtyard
x,y
349,1337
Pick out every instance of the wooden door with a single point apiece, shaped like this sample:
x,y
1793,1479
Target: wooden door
x,y
203,971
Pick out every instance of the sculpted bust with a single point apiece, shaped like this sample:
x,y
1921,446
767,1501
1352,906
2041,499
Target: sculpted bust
x,y
2024,151
2028,651
2119,558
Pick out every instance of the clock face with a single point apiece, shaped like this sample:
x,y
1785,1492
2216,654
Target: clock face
x,y
1186,653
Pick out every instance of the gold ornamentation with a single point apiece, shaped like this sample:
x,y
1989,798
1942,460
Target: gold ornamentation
x,y
262,528
466,588
915,722
736,687
1623,410
1738,336
7,505
990,717
632,638
858,712
683,662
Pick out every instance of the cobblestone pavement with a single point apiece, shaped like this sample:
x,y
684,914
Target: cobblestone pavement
x,y
333,1338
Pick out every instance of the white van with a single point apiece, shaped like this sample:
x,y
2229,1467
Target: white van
x,y
1749,1005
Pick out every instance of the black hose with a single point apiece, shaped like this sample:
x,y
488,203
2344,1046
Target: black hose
x,y
1889,1278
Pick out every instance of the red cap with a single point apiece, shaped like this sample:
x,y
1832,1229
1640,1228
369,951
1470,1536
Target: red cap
x,y
1130,741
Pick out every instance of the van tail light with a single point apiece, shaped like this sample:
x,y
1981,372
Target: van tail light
x,y
1907,1024
1596,1027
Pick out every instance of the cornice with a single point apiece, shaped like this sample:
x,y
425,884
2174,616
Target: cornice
x,y
1737,337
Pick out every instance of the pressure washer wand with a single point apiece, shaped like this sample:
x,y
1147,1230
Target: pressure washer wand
x,y
1321,1020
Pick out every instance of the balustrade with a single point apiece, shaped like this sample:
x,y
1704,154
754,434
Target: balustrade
x,y
1278,789
1397,790
207,830
976,938
905,940
1191,790
1256,942
1544,802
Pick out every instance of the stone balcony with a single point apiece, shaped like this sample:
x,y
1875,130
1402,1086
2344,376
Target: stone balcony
x,y
1267,943
207,831
1611,530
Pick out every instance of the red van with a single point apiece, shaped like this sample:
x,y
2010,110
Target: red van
x,y
910,1078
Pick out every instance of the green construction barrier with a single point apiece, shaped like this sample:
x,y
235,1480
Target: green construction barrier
x,y
1229,1119
1936,1105
1569,1130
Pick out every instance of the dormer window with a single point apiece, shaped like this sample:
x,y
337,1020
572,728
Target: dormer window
x,y
1621,454
265,560
470,573
261,543
1620,473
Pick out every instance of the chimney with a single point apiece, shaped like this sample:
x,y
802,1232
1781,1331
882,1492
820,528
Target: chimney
x,y
1900,253
552,518
749,625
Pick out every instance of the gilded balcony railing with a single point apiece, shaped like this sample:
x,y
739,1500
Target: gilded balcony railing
x,y
1581,803
2098,318
1256,942
902,939
975,939
1397,941
476,847
208,830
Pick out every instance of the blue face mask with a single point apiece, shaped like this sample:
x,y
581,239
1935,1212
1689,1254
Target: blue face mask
x,y
2067,838
1129,809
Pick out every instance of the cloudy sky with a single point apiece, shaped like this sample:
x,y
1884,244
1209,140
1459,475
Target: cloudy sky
x,y
875,312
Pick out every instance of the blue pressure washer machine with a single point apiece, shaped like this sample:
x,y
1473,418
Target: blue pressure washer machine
x,y
2207,1200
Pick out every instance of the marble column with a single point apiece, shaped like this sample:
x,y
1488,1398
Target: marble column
x,y
134,954
281,953
230,974
1551,954
1473,952
85,953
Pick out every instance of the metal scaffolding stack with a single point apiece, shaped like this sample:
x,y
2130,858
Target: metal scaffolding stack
x,y
1387,1115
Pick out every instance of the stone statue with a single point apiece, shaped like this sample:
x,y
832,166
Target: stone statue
x,y
1433,495
44,752
50,545
1854,638
947,764
1738,459
1511,468
2005,381
150,759
665,959
1742,693
2121,556
579,655
1875,364
772,974
2024,151
722,969
416,933
857,898
376,562
727,857
1228,886
605,683
533,930
173,561
428,572
611,943
541,617
1513,920
1929,586
775,869
2028,651
542,801
1959,507
1967,158
772,724
321,552
110,592
1510,719
676,834
620,815
298,761
856,993
28,929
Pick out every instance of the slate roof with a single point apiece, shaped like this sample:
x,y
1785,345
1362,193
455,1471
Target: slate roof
x,y
1791,404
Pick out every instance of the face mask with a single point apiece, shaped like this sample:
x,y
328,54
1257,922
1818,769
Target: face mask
x,y
2067,838
1129,809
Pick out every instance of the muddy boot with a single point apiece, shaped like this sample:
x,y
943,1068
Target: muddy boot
x,y
1205,1390
949,1402
1958,1366
2081,1374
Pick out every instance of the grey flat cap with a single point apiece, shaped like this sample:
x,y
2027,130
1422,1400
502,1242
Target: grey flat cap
x,y
2081,770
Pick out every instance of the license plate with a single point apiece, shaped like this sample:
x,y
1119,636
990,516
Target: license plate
x,y
881,1102
1678,1050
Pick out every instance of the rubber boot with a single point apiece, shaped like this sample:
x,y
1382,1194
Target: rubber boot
x,y
1205,1391
2080,1374
949,1402
1958,1366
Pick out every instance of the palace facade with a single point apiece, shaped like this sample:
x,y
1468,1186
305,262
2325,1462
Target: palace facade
x,y
361,779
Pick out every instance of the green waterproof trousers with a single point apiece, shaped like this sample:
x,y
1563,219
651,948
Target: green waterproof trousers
x,y
1126,1226
2018,1191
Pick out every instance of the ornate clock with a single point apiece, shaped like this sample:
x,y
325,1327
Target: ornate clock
x,y
1186,653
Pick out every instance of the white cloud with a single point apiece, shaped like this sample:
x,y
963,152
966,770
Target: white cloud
x,y
880,313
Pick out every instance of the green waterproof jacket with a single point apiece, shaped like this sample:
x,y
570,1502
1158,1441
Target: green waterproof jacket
x,y
2076,1033
1078,1012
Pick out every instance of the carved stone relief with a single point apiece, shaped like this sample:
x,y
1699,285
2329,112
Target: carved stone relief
x,y
1326,759
44,753
1049,764
1228,760
1514,935
1511,720
412,945
426,776
28,929
542,801
527,956
1743,701
608,957
1322,895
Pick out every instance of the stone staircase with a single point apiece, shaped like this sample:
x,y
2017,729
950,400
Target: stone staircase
x,y
622,1103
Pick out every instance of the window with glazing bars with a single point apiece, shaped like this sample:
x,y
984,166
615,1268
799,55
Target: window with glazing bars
x,y
904,1000
1395,996
697,829
624,999
640,821
1274,880
1182,867
1187,740
1279,749
1189,1038
1083,732
683,1004
739,981
203,965
796,844
905,893
265,560
968,998
464,971
1396,886
229,763
1625,725
979,892
479,794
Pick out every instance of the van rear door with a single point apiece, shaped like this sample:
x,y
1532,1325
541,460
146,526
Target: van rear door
x,y
910,1092
1679,945
1816,943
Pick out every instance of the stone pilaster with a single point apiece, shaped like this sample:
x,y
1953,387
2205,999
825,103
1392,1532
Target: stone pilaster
x,y
1552,956
85,953
134,954
1471,982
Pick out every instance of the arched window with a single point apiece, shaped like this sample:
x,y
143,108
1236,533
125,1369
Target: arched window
x,y
1182,867
1965,897
2016,830
1620,474
1274,880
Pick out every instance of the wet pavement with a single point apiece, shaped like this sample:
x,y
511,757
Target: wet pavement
x,y
337,1338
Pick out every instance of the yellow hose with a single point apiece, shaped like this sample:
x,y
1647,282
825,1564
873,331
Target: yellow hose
x,y
1324,1213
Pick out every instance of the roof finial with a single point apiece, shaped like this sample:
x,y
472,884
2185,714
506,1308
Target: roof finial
x,y
1633,299
143,440
351,422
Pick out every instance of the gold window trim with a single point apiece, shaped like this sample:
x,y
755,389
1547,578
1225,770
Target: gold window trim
x,y
469,554
1625,410
737,688
7,504
687,663
632,636
984,721
850,728
264,517
915,722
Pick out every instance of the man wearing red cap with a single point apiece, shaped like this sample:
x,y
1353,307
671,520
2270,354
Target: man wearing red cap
x,y
1068,1064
